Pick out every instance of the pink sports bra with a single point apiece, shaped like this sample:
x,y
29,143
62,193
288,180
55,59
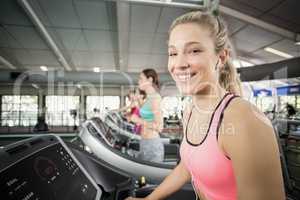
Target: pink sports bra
x,y
211,171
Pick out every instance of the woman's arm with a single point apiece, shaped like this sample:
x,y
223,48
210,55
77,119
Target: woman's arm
x,y
173,182
124,108
252,146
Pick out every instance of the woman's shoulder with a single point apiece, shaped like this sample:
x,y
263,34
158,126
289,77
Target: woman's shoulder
x,y
155,95
244,113
246,123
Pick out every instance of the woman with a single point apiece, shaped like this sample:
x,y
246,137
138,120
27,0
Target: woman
x,y
151,146
229,150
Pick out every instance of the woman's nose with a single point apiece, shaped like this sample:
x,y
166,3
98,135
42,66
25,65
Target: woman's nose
x,y
181,62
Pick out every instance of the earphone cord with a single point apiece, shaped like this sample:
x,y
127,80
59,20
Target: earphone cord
x,y
196,194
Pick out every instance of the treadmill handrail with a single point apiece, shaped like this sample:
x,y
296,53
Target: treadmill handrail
x,y
144,162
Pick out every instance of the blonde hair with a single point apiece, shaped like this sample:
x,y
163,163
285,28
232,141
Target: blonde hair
x,y
228,77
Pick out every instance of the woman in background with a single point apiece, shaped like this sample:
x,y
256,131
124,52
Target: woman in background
x,y
151,146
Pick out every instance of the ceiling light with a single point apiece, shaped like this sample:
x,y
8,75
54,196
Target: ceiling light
x,y
297,43
44,68
97,69
236,63
246,64
35,86
277,52
241,63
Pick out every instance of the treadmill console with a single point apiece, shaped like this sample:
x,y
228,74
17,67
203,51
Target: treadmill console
x,y
96,127
44,170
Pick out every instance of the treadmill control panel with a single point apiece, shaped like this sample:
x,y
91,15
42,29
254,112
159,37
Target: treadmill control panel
x,y
48,174
104,131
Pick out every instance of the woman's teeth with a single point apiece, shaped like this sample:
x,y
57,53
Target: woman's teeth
x,y
185,77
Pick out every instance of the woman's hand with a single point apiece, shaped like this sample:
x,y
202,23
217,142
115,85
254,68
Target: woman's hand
x,y
128,117
135,119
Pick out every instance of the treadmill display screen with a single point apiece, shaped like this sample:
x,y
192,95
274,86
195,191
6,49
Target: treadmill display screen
x,y
106,131
50,174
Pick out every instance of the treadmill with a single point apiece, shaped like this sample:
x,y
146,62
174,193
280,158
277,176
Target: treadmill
x,y
107,145
115,121
47,168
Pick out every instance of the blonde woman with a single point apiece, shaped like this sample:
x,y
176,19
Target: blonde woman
x,y
229,150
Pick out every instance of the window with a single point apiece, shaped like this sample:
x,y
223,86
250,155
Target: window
x,y
96,105
298,102
174,105
287,99
265,103
19,110
62,110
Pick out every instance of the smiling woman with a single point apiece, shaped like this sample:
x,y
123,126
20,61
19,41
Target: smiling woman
x,y
229,149
201,54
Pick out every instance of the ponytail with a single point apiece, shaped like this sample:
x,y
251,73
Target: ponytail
x,y
229,79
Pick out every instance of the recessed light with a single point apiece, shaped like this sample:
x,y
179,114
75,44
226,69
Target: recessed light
x,y
278,53
97,69
44,68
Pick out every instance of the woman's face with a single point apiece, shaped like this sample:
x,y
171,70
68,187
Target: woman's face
x,y
144,82
139,97
192,58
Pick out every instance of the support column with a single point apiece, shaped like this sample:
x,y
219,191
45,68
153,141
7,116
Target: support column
x,y
1,110
41,104
82,107
122,97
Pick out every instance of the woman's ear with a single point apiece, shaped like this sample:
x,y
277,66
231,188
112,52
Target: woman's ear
x,y
150,79
223,56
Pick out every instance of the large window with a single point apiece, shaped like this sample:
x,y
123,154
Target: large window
x,y
265,103
287,99
62,110
19,110
96,105
174,105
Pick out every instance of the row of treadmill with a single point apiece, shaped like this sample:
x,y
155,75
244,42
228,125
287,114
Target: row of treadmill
x,y
102,163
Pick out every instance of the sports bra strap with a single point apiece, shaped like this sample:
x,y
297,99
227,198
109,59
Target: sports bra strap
x,y
219,114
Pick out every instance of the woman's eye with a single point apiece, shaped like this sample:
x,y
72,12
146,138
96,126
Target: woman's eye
x,y
195,51
172,54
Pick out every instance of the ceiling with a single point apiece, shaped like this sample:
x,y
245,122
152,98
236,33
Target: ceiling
x,y
130,36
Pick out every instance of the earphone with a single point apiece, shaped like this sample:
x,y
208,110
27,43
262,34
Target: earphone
x,y
216,66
